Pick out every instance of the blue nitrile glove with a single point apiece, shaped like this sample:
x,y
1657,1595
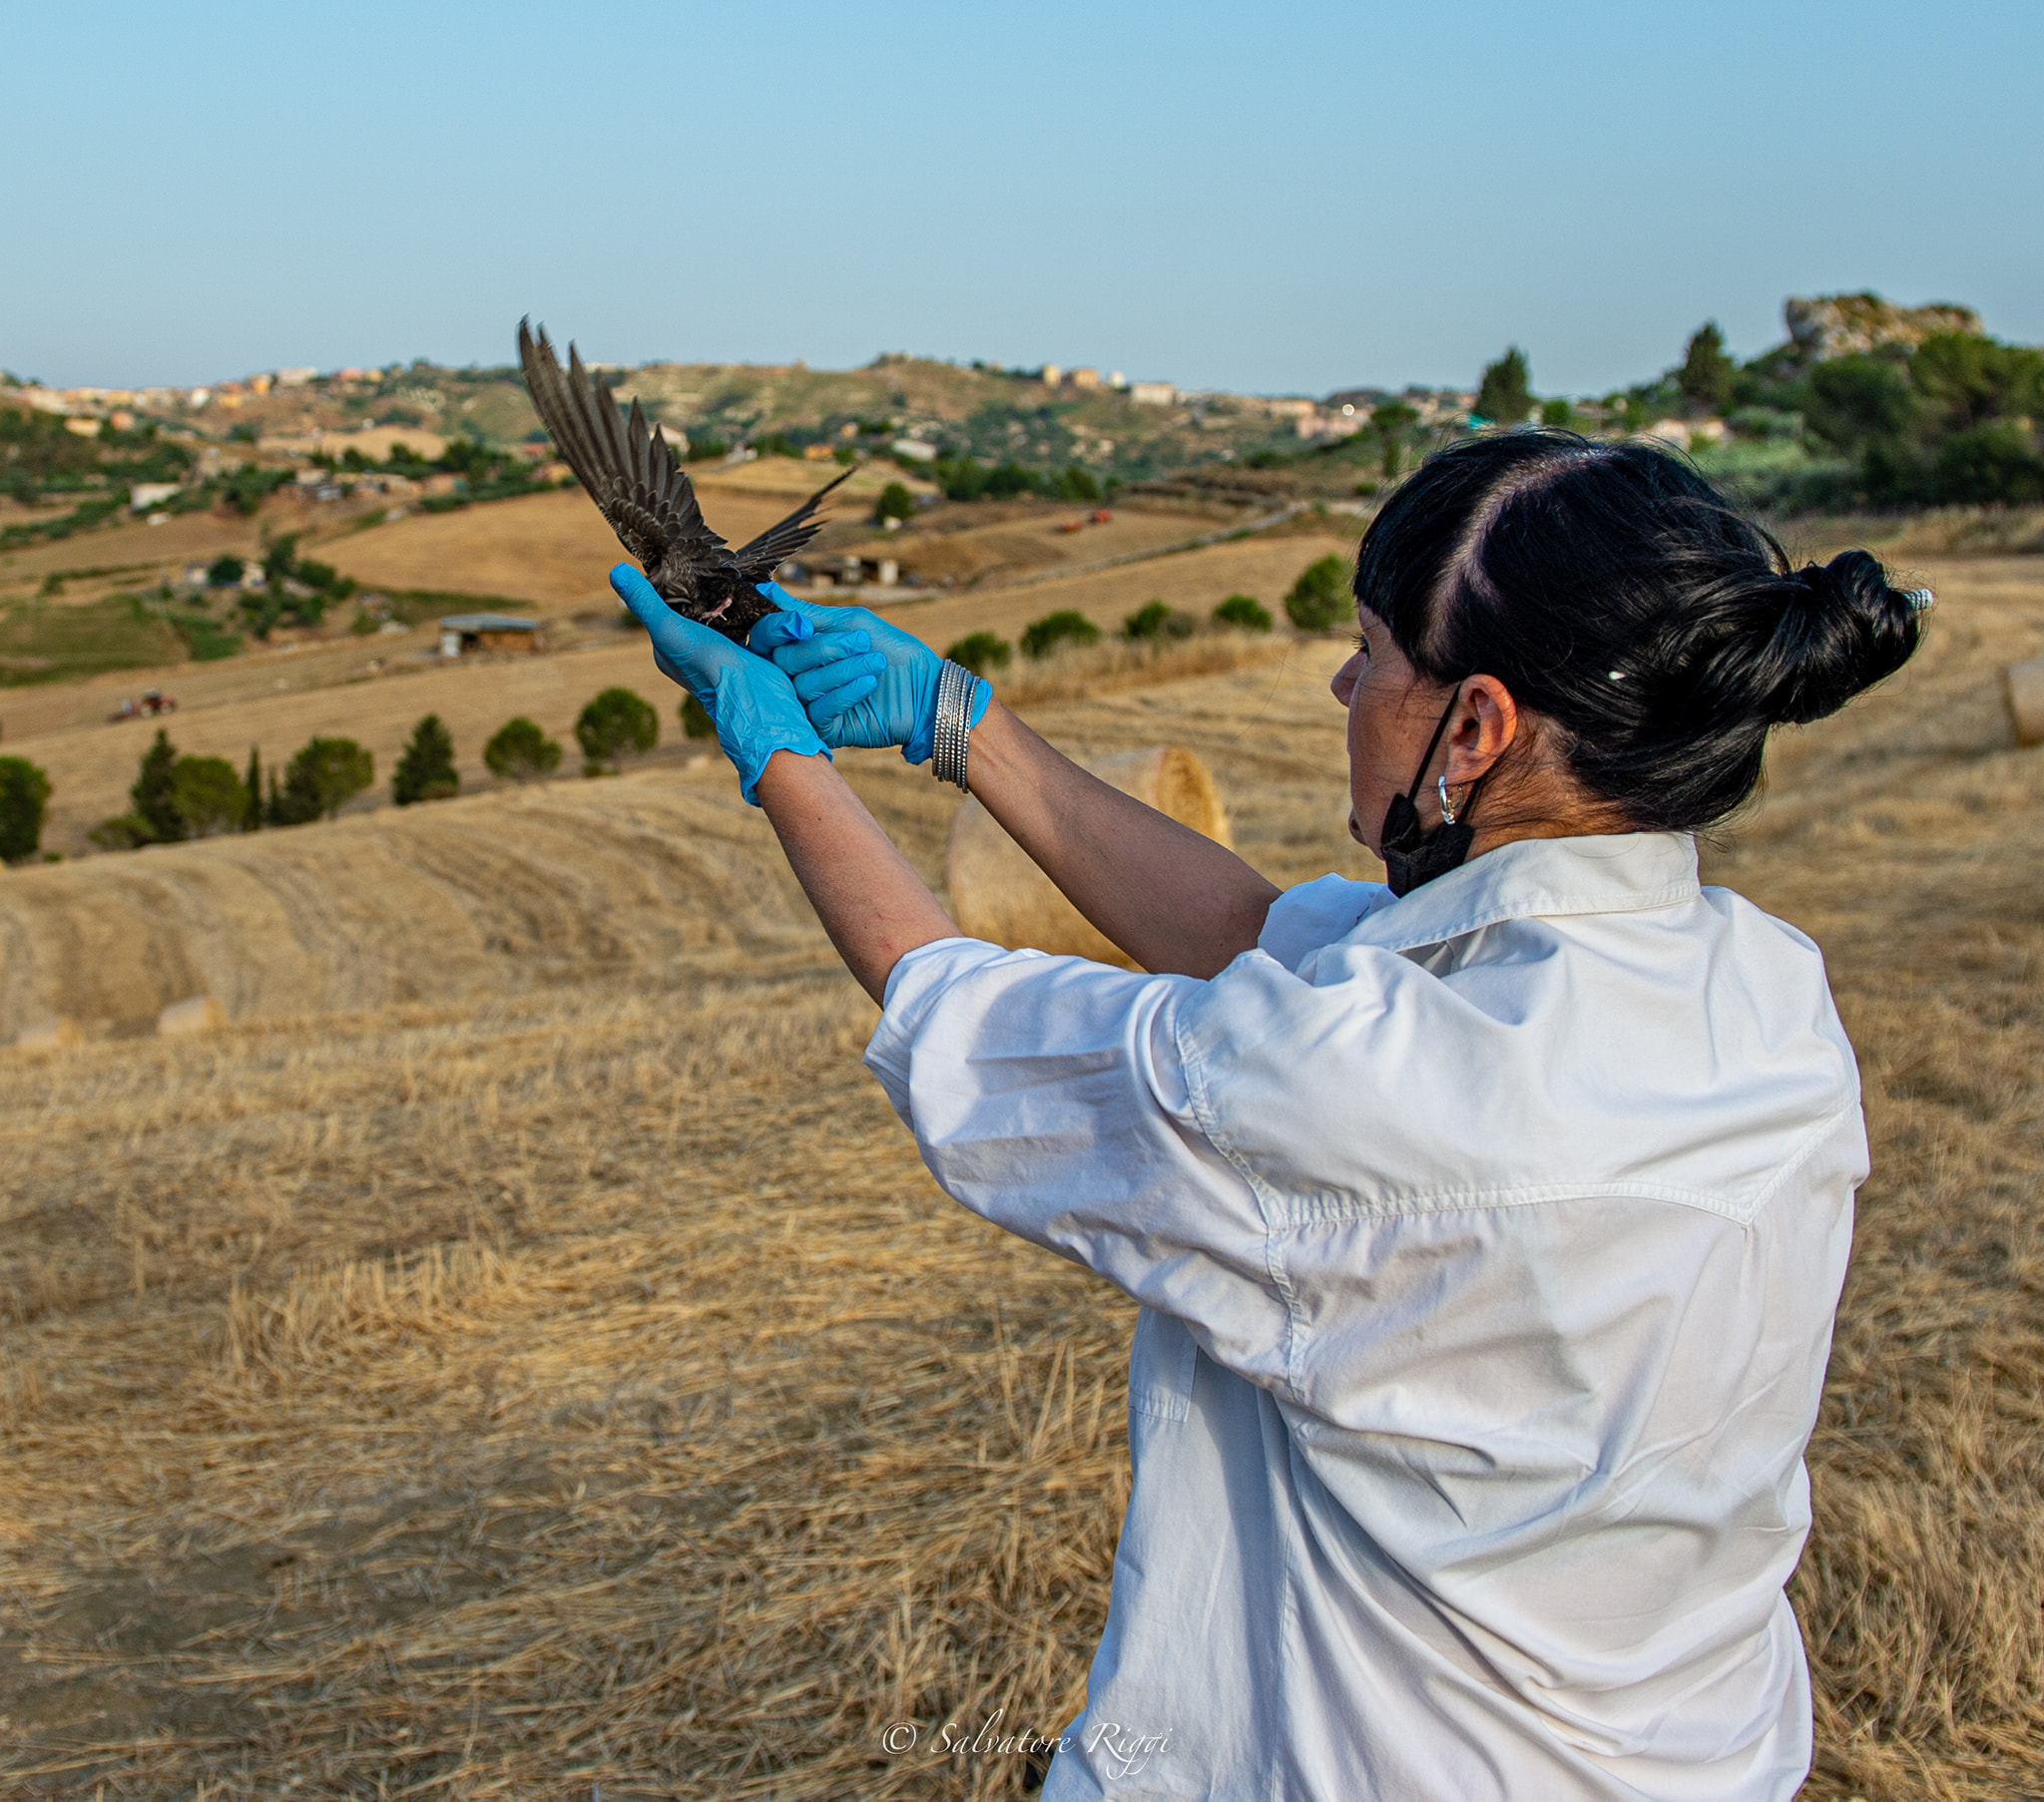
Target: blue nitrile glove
x,y
751,704
861,680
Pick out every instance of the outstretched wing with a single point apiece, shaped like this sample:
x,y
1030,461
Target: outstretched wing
x,y
623,464
759,559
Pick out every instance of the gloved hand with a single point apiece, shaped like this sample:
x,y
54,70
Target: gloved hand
x,y
860,680
751,702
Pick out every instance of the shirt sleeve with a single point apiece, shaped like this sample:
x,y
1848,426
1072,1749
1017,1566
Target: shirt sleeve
x,y
1316,913
1047,1095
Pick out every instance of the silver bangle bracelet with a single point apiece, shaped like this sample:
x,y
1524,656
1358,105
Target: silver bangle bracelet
x,y
951,737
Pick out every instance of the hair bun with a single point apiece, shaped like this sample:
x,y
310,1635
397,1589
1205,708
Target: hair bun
x,y
1842,627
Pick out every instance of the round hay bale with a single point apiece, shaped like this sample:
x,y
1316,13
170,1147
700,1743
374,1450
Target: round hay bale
x,y
999,895
198,1013
2024,685
50,1035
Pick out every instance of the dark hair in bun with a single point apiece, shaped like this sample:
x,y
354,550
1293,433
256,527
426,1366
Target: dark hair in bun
x,y
1611,590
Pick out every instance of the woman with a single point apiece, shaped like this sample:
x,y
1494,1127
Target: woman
x,y
1488,1225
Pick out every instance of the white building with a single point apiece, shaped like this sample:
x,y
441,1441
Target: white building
x,y
1152,394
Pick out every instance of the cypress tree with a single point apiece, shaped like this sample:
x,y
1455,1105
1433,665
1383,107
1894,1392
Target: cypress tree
x,y
154,797
426,772
1505,396
251,821
1707,373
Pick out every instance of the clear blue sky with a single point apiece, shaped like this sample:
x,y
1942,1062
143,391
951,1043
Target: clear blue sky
x,y
1258,196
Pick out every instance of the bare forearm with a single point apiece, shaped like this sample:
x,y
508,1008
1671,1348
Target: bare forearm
x,y
871,902
1172,900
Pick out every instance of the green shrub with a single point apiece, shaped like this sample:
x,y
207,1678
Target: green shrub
x,y
324,776
1244,612
1008,479
696,721
1154,619
980,652
264,609
24,797
1991,465
521,752
124,832
204,637
1078,484
1319,599
209,796
224,571
1065,627
425,771
895,502
615,723
1855,400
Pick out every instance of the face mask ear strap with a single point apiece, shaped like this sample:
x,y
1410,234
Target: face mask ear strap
x,y
1434,743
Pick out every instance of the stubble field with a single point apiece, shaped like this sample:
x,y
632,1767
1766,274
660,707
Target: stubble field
x,y
374,690
522,1354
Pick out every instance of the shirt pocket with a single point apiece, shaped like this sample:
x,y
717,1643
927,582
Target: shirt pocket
x,y
1161,1365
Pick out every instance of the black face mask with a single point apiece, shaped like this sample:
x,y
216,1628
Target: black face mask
x,y
1413,855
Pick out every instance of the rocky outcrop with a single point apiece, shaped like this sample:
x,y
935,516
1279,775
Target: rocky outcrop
x,y
1844,325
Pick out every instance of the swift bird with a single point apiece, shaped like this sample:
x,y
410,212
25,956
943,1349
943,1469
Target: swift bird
x,y
632,475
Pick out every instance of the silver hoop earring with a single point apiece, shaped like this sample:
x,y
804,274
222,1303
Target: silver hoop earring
x,y
1447,807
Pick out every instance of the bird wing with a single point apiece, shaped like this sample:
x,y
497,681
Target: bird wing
x,y
623,463
760,558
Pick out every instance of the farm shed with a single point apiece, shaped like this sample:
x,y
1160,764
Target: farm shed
x,y
487,632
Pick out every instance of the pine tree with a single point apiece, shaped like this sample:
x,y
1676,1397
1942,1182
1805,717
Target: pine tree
x,y
320,779
251,821
425,771
154,797
615,725
520,753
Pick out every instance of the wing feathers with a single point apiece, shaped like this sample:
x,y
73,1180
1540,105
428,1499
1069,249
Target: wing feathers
x,y
759,559
622,462
629,471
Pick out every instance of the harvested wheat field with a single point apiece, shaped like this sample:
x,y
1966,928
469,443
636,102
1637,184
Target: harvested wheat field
x,y
522,1356
375,689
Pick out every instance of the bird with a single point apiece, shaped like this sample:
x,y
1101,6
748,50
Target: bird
x,y
632,474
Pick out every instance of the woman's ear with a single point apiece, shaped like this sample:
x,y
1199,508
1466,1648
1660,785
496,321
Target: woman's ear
x,y
1486,723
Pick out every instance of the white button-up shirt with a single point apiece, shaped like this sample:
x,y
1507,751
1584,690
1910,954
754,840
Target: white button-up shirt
x,y
1488,1242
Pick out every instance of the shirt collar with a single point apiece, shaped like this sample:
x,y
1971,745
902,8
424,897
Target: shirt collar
x,y
1532,878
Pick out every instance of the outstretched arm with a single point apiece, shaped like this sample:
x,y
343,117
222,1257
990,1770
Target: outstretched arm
x,y
874,905
1175,901
871,902
1172,900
